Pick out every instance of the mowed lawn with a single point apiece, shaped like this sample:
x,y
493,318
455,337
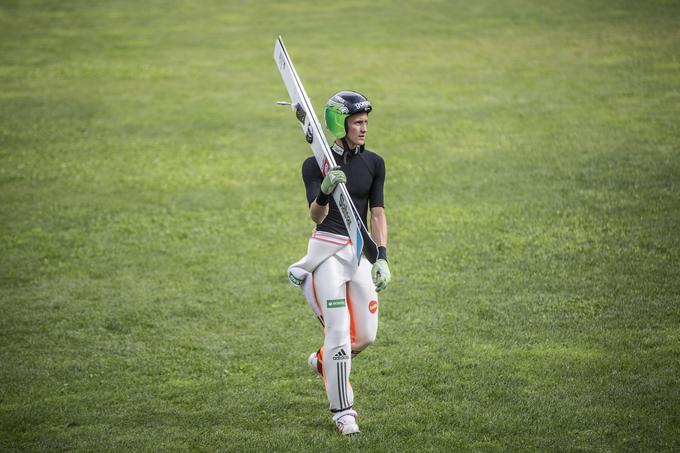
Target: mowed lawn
x,y
151,201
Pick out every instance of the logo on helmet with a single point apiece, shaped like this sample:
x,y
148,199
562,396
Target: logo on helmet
x,y
362,105
339,105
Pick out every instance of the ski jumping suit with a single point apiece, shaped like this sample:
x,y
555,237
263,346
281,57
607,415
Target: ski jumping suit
x,y
340,293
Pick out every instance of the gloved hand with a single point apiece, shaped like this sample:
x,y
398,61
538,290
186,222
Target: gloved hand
x,y
381,274
332,179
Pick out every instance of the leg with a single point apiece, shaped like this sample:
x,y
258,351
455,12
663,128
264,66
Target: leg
x,y
330,289
363,302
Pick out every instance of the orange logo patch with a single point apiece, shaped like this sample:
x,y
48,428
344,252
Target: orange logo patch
x,y
373,306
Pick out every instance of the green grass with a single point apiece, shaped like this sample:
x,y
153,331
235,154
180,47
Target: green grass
x,y
151,201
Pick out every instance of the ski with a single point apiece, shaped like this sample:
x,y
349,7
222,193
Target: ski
x,y
304,112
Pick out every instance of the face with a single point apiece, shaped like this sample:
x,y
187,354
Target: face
x,y
357,125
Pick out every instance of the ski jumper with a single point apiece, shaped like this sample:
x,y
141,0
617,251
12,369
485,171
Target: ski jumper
x,y
341,294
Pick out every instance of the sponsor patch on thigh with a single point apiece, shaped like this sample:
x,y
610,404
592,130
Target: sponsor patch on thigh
x,y
335,303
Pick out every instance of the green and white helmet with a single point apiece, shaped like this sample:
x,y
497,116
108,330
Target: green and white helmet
x,y
340,107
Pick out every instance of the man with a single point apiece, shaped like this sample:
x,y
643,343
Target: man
x,y
342,292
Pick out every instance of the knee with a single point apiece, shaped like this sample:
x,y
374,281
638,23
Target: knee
x,y
363,341
336,336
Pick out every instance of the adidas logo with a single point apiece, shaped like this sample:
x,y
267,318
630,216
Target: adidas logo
x,y
340,355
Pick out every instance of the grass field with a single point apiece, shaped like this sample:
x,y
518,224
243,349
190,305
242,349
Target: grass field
x,y
151,201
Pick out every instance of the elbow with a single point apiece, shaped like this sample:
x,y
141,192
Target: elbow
x,y
316,216
318,213
378,215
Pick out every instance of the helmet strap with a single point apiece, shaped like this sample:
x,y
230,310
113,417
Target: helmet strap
x,y
345,145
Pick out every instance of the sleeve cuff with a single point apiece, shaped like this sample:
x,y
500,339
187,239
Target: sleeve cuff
x,y
322,199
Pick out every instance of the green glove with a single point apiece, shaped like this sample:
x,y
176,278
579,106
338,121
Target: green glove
x,y
332,179
381,275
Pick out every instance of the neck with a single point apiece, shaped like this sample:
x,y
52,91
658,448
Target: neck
x,y
352,146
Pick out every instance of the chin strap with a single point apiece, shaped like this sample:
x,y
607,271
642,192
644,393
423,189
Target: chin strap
x,y
345,146
347,150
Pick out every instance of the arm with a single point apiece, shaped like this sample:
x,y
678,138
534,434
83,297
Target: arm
x,y
379,226
380,270
317,212
319,188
